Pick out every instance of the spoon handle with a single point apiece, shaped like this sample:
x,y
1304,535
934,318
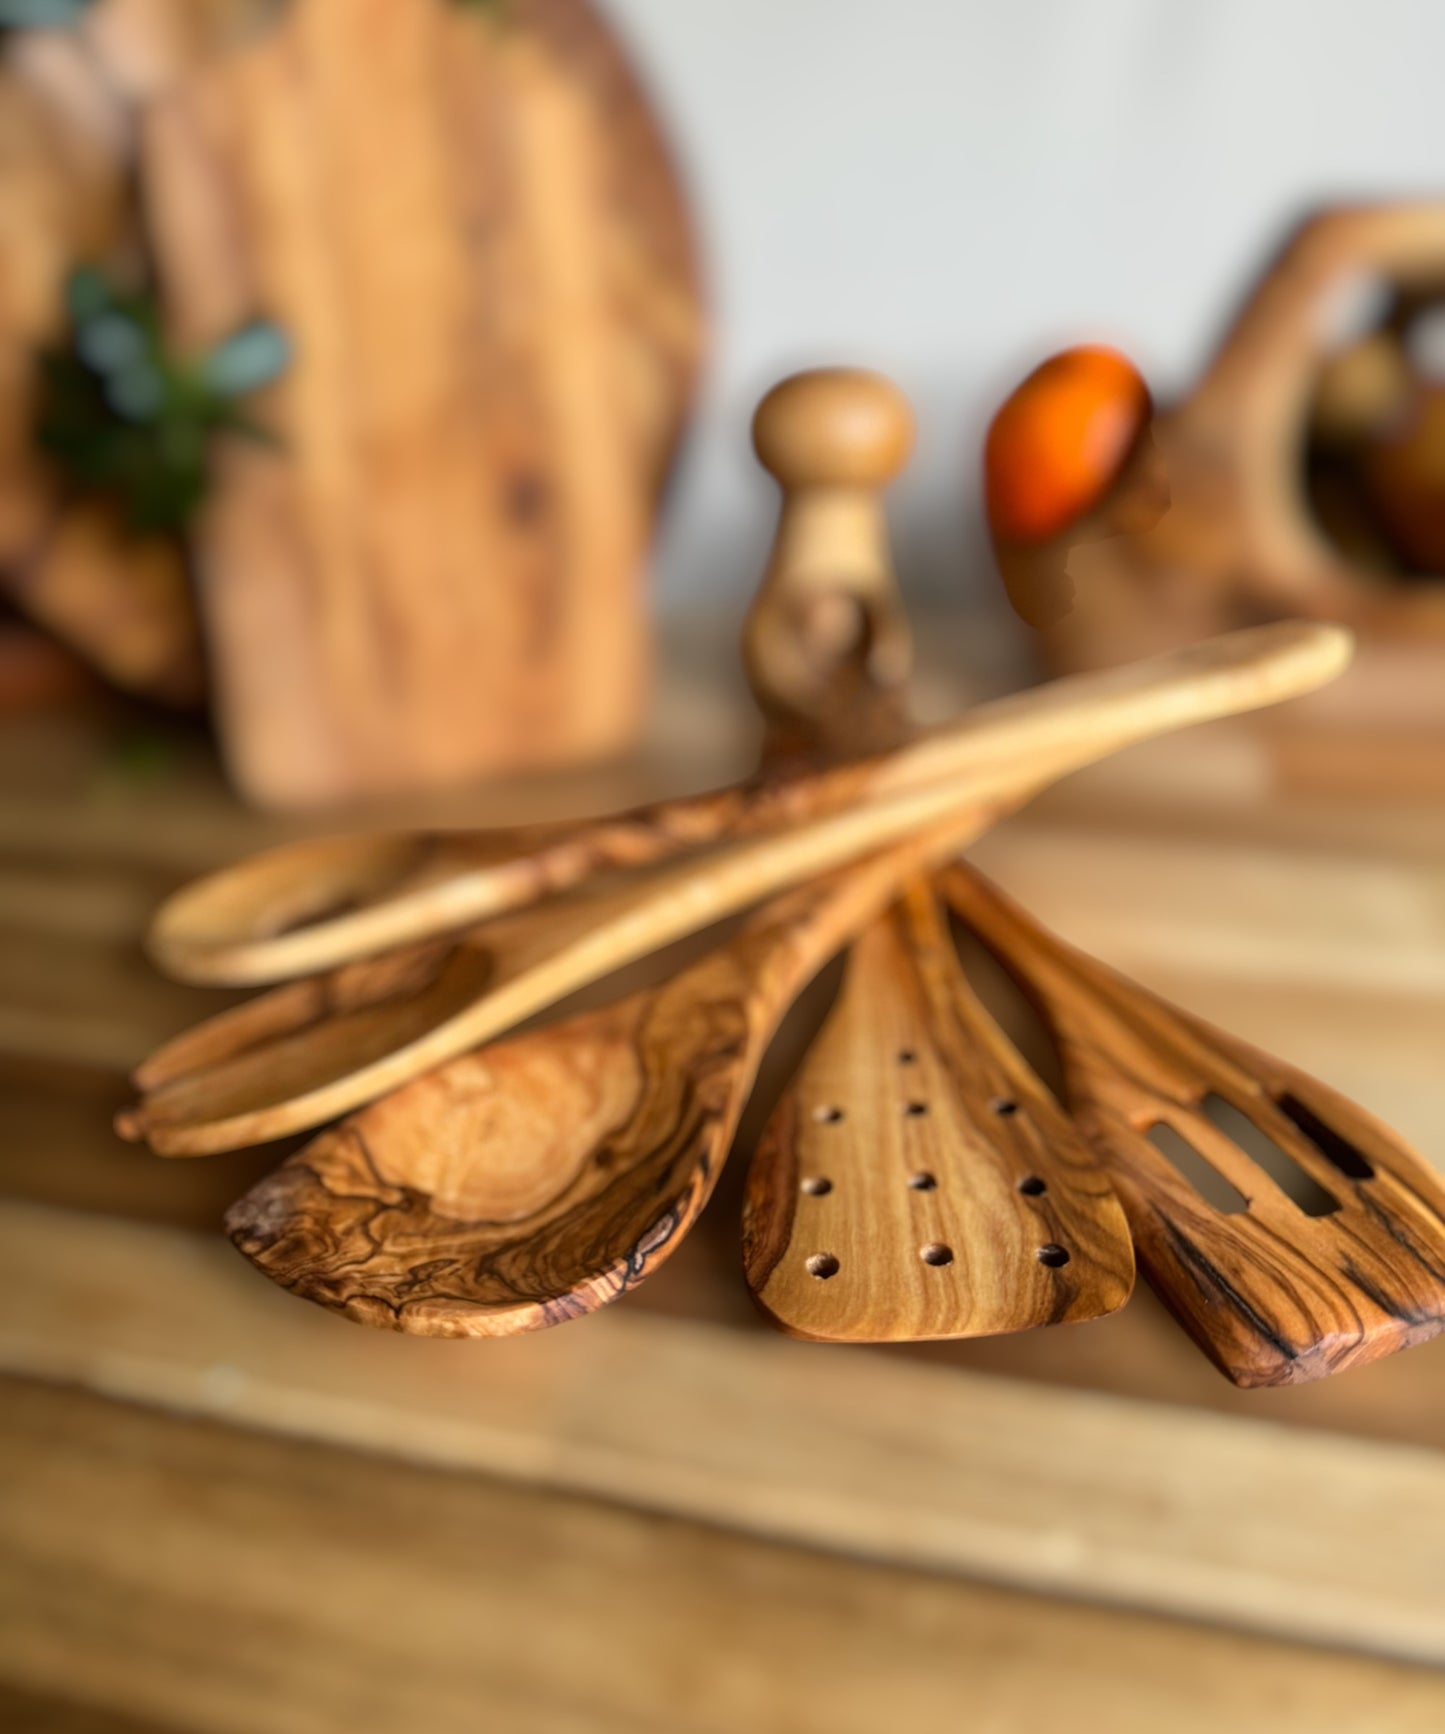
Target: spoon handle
x,y
316,904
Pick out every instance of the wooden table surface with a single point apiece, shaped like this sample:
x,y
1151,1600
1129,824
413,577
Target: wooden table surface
x,y
222,1509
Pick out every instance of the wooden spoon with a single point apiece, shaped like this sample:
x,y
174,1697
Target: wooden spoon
x,y
1273,1293
539,1178
310,1051
317,904
916,1181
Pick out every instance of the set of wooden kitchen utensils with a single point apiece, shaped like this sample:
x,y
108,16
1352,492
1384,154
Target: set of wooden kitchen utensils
x,y
916,1179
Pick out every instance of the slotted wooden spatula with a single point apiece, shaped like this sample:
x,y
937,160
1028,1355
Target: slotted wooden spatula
x,y
916,1181
1273,1294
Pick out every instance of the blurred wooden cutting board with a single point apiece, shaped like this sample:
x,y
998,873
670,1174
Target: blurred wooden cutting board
x,y
464,219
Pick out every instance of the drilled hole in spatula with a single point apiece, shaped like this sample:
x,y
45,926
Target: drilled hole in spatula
x,y
1032,1187
817,1186
936,1253
1191,1167
822,1265
1300,1188
827,1116
921,1183
1053,1255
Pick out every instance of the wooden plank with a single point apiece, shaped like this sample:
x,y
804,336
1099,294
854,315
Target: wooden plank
x,y
206,1578
24,1712
1299,1536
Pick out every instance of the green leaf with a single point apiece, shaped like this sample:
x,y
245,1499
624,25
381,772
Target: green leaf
x,y
252,358
109,342
127,420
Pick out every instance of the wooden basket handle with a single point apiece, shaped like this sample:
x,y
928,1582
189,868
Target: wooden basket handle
x,y
1251,405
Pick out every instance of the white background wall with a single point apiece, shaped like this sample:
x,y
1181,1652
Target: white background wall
x,y
947,189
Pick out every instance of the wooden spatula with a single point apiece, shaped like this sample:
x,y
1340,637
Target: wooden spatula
x,y
916,1181
1274,1290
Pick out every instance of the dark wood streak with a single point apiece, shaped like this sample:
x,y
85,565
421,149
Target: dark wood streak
x,y
1272,1296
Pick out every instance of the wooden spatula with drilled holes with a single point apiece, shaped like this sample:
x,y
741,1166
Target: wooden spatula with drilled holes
x,y
1274,1293
916,1180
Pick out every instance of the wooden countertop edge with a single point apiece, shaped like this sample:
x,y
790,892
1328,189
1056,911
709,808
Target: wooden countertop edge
x,y
1316,1538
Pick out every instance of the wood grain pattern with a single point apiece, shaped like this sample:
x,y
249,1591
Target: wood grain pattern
x,y
316,904
492,300
1273,1295
916,1181
897,1458
303,1054
512,1598
537,1179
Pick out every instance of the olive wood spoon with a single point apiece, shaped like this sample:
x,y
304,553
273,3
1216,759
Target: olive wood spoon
x,y
539,1178
318,904
313,1050
1273,1295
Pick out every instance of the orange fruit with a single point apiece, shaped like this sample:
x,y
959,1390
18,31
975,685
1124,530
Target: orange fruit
x,y
1059,440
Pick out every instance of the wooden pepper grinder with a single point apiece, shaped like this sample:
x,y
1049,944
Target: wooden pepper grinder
x,y
826,645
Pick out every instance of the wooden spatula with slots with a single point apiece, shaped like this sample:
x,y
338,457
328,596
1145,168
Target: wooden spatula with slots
x,y
1274,1291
